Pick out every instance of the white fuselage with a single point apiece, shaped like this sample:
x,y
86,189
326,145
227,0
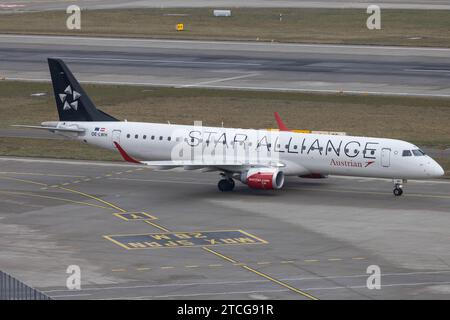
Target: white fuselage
x,y
301,153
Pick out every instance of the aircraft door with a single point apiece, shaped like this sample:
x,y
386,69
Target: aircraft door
x,y
116,136
386,157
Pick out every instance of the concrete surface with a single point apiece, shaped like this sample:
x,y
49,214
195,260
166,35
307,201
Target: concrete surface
x,y
233,65
40,5
318,236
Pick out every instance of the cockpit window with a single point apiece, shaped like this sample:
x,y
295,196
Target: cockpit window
x,y
418,153
406,153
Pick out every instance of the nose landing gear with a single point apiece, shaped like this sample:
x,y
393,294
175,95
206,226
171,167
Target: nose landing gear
x,y
398,187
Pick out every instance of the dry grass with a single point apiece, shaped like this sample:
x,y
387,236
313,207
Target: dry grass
x,y
424,121
346,26
29,147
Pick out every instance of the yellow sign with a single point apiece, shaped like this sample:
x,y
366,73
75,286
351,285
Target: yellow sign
x,y
180,27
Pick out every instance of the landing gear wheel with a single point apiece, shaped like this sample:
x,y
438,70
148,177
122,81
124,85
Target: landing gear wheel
x,y
398,191
226,185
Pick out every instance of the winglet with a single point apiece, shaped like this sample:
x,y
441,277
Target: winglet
x,y
125,155
280,123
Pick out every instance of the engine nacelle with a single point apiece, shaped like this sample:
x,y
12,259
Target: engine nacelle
x,y
263,178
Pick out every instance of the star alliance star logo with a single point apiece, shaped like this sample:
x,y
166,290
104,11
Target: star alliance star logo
x,y
68,92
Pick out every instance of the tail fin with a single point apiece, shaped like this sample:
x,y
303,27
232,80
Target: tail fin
x,y
72,102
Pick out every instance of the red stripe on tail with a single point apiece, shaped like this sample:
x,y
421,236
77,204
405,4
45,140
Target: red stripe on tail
x,y
280,123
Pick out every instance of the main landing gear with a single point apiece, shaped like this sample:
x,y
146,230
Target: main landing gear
x,y
398,187
226,184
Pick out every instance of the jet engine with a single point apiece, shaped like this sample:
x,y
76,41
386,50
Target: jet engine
x,y
263,178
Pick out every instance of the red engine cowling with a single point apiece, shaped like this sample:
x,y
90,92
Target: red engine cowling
x,y
263,178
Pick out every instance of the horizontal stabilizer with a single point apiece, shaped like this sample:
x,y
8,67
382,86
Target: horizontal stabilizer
x,y
50,128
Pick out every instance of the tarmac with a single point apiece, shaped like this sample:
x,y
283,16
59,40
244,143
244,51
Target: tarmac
x,y
375,70
42,5
142,234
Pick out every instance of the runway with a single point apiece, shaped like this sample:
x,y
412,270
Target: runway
x,y
40,5
313,239
233,65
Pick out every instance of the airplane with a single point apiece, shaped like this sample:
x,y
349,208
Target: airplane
x,y
259,158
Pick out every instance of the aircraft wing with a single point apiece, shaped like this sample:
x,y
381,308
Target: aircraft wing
x,y
204,164
212,165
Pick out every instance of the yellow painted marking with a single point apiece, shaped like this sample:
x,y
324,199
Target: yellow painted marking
x,y
358,258
142,269
129,171
193,266
281,283
87,179
215,265
119,216
54,186
252,236
26,181
261,274
98,177
287,261
166,230
157,226
139,216
116,242
168,267
95,198
53,198
108,175
120,172
335,259
65,183
264,262
118,270
44,188
76,181
179,241
138,169
311,260
219,255
42,174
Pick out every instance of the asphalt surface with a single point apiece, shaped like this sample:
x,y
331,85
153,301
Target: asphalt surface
x,y
233,65
40,5
314,238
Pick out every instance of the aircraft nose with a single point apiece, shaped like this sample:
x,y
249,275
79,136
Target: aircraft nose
x,y
436,170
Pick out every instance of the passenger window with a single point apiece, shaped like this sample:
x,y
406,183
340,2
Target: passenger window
x,y
145,137
169,138
153,137
136,136
128,135
406,153
160,137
